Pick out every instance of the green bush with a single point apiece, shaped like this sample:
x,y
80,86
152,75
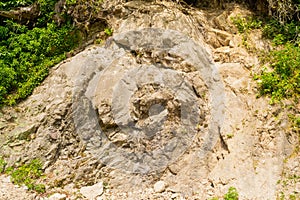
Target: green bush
x,y
27,53
282,33
29,48
245,24
232,194
28,174
7,5
108,31
283,81
2,165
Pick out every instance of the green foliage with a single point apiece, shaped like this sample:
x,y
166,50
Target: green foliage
x,y
283,81
2,165
108,31
292,197
26,57
27,53
28,174
7,5
71,2
47,12
282,33
272,29
232,194
245,24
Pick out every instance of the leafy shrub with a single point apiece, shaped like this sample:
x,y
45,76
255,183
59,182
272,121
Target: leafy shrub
x,y
27,53
284,79
7,5
2,165
71,2
28,48
282,33
108,31
28,174
245,24
232,194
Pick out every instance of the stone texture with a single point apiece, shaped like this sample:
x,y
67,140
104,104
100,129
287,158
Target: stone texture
x,y
159,186
57,196
10,191
95,119
92,192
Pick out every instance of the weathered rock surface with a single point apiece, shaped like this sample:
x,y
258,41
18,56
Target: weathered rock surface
x,y
92,192
57,196
169,97
10,191
159,186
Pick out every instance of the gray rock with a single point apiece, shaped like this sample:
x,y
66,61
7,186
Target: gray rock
x,y
23,131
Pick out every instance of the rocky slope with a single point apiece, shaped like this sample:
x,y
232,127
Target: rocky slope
x,y
165,109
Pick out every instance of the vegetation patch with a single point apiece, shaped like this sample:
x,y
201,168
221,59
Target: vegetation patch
x,y
283,79
232,194
26,56
244,24
28,174
28,50
2,165
280,77
32,42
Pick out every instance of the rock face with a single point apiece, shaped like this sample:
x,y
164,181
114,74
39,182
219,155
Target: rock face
x,y
169,96
155,104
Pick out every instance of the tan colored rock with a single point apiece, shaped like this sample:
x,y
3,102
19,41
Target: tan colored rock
x,y
57,196
92,192
160,186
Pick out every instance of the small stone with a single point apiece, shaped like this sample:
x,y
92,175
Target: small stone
x,y
6,179
24,187
159,186
174,168
231,44
53,135
57,196
175,195
92,192
297,188
99,198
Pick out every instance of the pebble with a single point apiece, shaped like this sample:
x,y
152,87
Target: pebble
x,y
57,196
174,196
159,186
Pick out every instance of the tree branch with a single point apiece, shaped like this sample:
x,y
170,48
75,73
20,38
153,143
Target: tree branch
x,y
23,14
